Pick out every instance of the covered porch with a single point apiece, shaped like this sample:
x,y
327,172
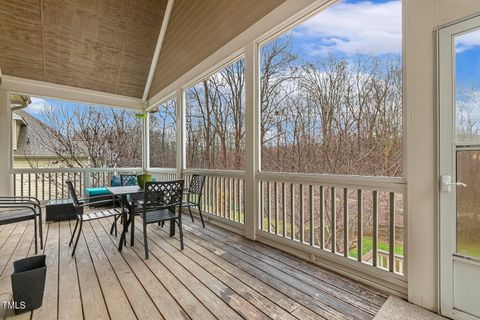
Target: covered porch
x,y
219,275
302,235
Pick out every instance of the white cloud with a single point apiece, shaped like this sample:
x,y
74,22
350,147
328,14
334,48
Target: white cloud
x,y
467,41
365,26
38,105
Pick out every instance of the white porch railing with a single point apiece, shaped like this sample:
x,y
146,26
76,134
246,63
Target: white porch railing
x,y
223,194
365,222
361,216
48,184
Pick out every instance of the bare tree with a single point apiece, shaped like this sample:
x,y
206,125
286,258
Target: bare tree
x,y
87,136
163,136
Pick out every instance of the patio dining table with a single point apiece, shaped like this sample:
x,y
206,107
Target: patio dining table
x,y
123,192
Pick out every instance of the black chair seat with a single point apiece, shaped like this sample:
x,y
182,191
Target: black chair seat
x,y
158,216
189,204
101,214
15,209
14,216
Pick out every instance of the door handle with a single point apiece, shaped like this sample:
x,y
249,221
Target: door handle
x,y
458,184
446,183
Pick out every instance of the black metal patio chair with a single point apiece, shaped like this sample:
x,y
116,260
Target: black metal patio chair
x,y
159,204
17,209
128,179
194,195
84,217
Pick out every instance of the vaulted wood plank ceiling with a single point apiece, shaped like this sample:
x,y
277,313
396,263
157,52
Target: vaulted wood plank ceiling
x,y
199,28
104,45
108,45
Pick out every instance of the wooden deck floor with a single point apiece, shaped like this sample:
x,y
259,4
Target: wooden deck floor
x,y
219,275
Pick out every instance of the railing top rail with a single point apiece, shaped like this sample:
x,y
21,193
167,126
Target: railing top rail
x,y
217,173
390,184
162,170
66,170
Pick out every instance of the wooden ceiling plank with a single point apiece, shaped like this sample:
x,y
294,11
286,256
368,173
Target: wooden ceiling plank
x,y
201,39
209,26
20,39
43,40
83,43
123,44
138,51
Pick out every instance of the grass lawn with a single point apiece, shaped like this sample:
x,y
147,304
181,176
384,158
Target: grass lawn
x,y
468,248
367,245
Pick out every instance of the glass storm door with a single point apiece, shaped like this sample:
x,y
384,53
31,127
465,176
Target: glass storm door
x,y
459,168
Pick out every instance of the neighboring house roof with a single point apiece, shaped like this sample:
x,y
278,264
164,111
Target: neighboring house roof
x,y
33,137
16,117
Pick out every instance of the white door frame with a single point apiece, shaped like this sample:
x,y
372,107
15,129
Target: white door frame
x,y
446,159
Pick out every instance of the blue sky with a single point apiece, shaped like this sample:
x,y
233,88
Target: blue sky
x,y
350,27
468,59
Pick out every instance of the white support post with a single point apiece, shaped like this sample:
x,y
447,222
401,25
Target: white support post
x,y
252,127
146,143
5,143
180,132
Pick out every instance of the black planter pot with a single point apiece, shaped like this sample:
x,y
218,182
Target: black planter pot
x,y
28,283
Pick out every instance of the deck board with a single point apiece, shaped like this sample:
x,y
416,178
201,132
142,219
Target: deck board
x,y
50,297
219,275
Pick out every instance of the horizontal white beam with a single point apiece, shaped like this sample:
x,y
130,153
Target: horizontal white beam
x,y
67,93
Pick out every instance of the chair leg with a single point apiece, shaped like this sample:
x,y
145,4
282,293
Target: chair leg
x,y
78,237
145,239
172,228
41,231
35,233
114,226
180,231
191,214
201,216
73,234
132,230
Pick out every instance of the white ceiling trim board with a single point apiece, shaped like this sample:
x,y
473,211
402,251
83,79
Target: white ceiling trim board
x,y
62,92
158,48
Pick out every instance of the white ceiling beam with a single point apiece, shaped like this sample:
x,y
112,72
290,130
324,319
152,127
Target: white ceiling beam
x,y
158,48
67,93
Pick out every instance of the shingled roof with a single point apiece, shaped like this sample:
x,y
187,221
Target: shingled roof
x,y
33,137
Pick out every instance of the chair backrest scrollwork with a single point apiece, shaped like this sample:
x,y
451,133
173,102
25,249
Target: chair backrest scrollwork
x,y
128,179
163,195
196,184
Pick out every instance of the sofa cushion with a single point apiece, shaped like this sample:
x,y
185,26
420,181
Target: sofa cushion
x,y
92,192
116,181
